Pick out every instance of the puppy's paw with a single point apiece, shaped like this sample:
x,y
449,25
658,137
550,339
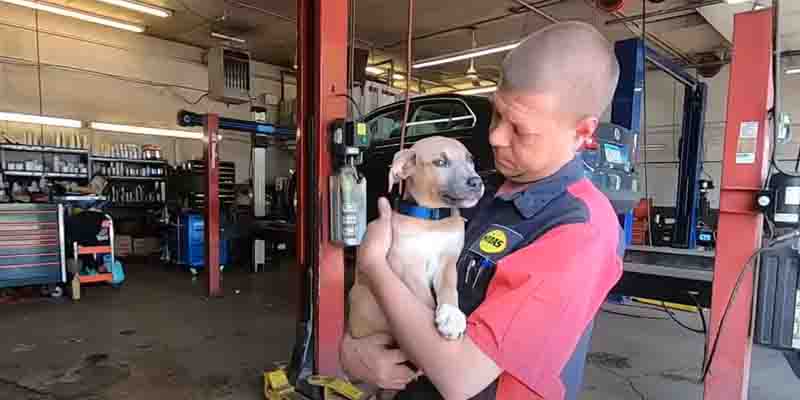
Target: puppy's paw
x,y
450,321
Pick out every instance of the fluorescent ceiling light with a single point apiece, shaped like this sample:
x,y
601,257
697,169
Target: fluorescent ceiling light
x,y
141,130
737,1
378,71
70,12
229,38
792,71
140,7
655,147
480,90
466,54
40,120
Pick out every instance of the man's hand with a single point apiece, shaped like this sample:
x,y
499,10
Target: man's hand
x,y
375,246
370,359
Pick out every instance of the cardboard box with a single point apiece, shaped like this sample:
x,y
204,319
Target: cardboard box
x,y
123,245
146,246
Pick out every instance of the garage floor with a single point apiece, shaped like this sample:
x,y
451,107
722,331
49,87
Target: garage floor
x,y
158,338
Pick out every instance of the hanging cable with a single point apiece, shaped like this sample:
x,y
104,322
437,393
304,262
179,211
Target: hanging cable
x,y
644,122
407,105
351,56
39,68
779,242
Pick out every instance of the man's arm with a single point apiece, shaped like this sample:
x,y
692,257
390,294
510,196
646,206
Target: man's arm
x,y
370,359
458,368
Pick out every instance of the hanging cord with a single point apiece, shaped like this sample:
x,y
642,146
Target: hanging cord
x,y
644,123
39,70
351,55
407,106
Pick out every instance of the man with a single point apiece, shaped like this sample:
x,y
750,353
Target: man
x,y
541,285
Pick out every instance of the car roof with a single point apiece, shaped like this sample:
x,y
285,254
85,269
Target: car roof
x,y
470,100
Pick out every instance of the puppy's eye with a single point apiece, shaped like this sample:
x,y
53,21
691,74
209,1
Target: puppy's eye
x,y
441,163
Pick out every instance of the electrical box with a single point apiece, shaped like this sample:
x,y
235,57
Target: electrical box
x,y
230,75
609,159
778,299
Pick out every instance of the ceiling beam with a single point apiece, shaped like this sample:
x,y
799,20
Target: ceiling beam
x,y
688,7
474,24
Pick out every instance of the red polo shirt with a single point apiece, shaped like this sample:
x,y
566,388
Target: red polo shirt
x,y
543,296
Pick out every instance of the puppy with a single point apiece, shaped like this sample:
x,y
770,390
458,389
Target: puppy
x,y
440,178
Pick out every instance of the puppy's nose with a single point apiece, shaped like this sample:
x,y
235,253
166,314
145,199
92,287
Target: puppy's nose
x,y
474,182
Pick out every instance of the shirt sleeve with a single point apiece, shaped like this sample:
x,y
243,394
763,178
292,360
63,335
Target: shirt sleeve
x,y
541,299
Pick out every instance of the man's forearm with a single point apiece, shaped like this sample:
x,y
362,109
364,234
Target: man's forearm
x,y
412,324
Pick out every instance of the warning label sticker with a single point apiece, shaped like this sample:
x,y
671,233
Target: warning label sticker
x,y
746,145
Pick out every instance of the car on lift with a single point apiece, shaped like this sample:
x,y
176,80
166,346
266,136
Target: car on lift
x,y
464,118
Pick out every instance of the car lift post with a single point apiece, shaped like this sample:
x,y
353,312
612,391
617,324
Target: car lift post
x,y
211,224
745,162
322,82
211,124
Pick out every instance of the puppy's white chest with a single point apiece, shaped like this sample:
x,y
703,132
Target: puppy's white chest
x,y
426,250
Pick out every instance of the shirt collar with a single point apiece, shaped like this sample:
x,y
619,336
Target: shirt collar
x,y
537,195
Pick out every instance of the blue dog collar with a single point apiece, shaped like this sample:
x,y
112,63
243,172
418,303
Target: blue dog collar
x,y
413,210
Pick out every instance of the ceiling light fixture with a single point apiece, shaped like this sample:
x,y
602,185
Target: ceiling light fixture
x,y
793,71
141,130
480,90
73,13
378,71
466,54
140,7
472,72
226,37
737,1
40,120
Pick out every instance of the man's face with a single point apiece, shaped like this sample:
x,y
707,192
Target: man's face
x,y
530,137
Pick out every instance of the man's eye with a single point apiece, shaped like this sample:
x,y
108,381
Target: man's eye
x,y
441,163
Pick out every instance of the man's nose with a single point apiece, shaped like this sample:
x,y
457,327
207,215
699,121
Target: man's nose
x,y
474,182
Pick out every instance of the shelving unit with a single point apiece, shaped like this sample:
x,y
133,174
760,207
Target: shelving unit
x,y
137,178
25,164
113,159
44,149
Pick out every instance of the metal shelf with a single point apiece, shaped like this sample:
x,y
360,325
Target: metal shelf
x,y
65,175
126,160
23,173
43,149
138,178
39,174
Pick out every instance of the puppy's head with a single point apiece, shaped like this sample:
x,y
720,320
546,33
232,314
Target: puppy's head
x,y
439,172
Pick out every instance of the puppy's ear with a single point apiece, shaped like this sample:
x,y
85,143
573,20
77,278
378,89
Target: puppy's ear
x,y
402,167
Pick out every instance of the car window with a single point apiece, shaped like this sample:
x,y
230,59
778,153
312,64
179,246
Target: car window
x,y
431,118
386,125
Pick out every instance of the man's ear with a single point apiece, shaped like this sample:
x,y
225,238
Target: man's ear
x,y
402,167
585,130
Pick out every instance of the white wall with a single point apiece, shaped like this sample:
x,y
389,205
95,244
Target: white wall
x,y
94,73
664,117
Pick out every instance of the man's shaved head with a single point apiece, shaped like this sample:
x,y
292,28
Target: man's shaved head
x,y
571,60
556,84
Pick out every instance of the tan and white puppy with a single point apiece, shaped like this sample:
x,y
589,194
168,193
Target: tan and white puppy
x,y
438,173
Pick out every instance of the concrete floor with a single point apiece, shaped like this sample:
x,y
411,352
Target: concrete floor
x,y
158,338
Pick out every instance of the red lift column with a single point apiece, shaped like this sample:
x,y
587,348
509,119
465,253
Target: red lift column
x,y
744,167
322,60
211,128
